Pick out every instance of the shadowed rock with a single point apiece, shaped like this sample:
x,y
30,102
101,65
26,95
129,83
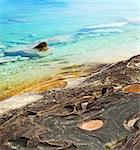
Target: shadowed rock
x,y
43,46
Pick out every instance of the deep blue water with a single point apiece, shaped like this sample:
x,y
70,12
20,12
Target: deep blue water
x,y
78,31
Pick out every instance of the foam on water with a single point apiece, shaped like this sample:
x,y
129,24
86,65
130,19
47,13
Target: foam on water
x,y
105,26
60,38
134,20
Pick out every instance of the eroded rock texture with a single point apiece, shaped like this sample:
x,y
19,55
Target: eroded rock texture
x,y
53,123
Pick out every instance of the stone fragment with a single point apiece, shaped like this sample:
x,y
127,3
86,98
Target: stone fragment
x,y
43,46
91,125
132,88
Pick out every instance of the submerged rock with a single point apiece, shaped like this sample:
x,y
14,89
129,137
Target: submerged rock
x,y
21,54
43,46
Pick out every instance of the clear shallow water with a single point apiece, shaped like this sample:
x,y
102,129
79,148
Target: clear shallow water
x,y
78,31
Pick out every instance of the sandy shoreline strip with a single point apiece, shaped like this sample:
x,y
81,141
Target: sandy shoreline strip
x,y
17,102
37,86
72,79
22,100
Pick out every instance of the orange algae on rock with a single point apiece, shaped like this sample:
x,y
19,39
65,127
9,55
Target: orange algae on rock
x,y
91,125
75,71
57,82
13,90
133,88
52,85
35,87
45,83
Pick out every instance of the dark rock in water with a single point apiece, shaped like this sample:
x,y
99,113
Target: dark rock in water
x,y
43,46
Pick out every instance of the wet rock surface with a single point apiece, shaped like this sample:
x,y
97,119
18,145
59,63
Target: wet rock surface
x,y
43,46
53,123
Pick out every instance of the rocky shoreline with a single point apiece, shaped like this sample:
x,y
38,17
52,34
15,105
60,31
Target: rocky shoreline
x,y
100,113
59,79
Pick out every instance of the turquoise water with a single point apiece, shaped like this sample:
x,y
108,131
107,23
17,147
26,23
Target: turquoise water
x,y
78,32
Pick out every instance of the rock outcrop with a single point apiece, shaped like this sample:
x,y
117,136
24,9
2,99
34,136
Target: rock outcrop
x,y
97,114
43,46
